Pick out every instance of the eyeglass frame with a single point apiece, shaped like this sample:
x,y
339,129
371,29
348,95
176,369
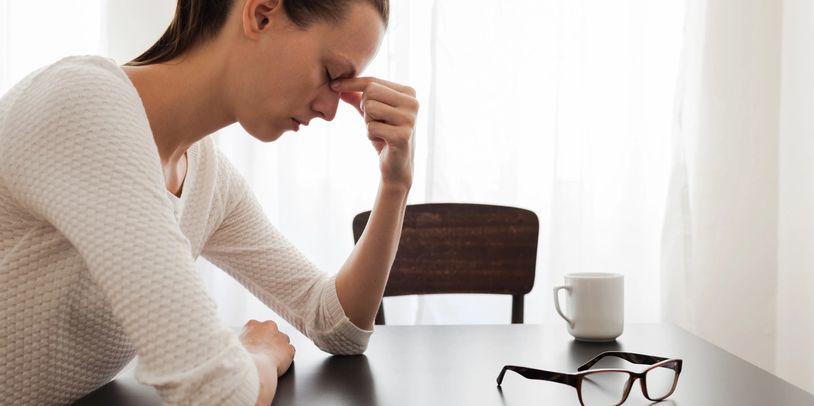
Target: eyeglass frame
x,y
575,380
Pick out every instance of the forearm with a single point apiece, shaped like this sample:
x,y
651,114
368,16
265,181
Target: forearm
x,y
362,278
389,110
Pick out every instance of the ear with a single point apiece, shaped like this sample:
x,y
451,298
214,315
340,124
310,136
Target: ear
x,y
258,16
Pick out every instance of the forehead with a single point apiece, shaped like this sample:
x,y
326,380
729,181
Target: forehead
x,y
357,38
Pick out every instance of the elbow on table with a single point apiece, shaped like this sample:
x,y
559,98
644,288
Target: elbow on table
x,y
336,344
343,351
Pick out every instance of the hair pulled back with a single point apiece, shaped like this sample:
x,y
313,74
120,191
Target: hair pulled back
x,y
197,21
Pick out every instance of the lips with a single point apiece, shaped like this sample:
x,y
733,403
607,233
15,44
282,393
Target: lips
x,y
296,123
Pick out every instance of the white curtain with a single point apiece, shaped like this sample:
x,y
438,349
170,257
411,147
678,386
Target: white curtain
x,y
563,107
739,225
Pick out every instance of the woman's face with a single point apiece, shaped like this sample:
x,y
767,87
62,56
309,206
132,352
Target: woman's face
x,y
283,72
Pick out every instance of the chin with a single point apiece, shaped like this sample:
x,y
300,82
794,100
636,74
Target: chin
x,y
270,136
263,133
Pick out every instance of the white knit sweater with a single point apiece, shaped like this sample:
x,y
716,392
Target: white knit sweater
x,y
97,262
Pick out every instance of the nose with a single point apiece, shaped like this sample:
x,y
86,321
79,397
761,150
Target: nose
x,y
326,103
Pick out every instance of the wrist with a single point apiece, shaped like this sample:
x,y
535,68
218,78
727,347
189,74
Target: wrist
x,y
400,188
267,377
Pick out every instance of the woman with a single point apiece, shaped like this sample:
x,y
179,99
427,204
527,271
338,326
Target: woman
x,y
110,188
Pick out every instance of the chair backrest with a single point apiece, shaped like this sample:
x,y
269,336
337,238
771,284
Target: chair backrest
x,y
463,248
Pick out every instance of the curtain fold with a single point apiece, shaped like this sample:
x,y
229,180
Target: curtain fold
x,y
737,253
561,107
795,285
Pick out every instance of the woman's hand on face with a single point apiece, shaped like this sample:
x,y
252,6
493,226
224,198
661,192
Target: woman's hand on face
x,y
390,111
272,353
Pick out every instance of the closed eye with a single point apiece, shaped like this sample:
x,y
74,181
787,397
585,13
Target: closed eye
x,y
328,75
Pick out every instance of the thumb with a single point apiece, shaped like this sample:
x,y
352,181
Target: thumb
x,y
354,99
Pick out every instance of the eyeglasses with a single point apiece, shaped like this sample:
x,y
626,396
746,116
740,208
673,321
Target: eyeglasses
x,y
598,387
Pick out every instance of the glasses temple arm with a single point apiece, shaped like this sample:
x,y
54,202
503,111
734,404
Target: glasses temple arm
x,y
538,374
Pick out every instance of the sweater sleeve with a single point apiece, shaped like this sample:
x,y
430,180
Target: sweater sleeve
x,y
77,152
248,247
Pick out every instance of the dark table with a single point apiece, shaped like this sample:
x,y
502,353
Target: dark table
x,y
457,365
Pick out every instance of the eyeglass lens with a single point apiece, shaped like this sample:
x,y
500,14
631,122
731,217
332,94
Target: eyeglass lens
x,y
660,380
604,388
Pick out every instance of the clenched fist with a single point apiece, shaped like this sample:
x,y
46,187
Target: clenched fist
x,y
272,353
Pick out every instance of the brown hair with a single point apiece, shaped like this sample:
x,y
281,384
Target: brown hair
x,y
197,21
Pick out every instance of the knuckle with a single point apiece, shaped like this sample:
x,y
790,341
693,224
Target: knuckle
x,y
409,90
373,127
409,118
413,104
373,89
405,134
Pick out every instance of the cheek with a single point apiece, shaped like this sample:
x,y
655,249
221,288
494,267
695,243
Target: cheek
x,y
279,100
302,84
266,105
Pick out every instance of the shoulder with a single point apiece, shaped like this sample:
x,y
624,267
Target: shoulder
x,y
73,85
81,69
79,110
80,74
78,97
232,183
231,187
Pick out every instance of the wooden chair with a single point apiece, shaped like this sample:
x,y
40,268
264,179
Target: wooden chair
x,y
463,248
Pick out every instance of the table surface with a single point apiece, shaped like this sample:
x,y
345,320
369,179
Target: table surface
x,y
458,365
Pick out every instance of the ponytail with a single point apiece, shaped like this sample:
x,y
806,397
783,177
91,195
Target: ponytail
x,y
197,21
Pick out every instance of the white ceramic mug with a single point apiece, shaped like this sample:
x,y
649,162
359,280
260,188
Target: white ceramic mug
x,y
594,305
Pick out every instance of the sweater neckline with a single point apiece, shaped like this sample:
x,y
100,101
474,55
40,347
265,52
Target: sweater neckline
x,y
189,178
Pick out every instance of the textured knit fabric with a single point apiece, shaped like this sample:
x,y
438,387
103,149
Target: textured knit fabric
x,y
97,257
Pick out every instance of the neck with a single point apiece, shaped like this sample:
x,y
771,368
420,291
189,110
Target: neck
x,y
183,100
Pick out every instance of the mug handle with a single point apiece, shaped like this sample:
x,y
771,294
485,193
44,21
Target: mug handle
x,y
557,304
